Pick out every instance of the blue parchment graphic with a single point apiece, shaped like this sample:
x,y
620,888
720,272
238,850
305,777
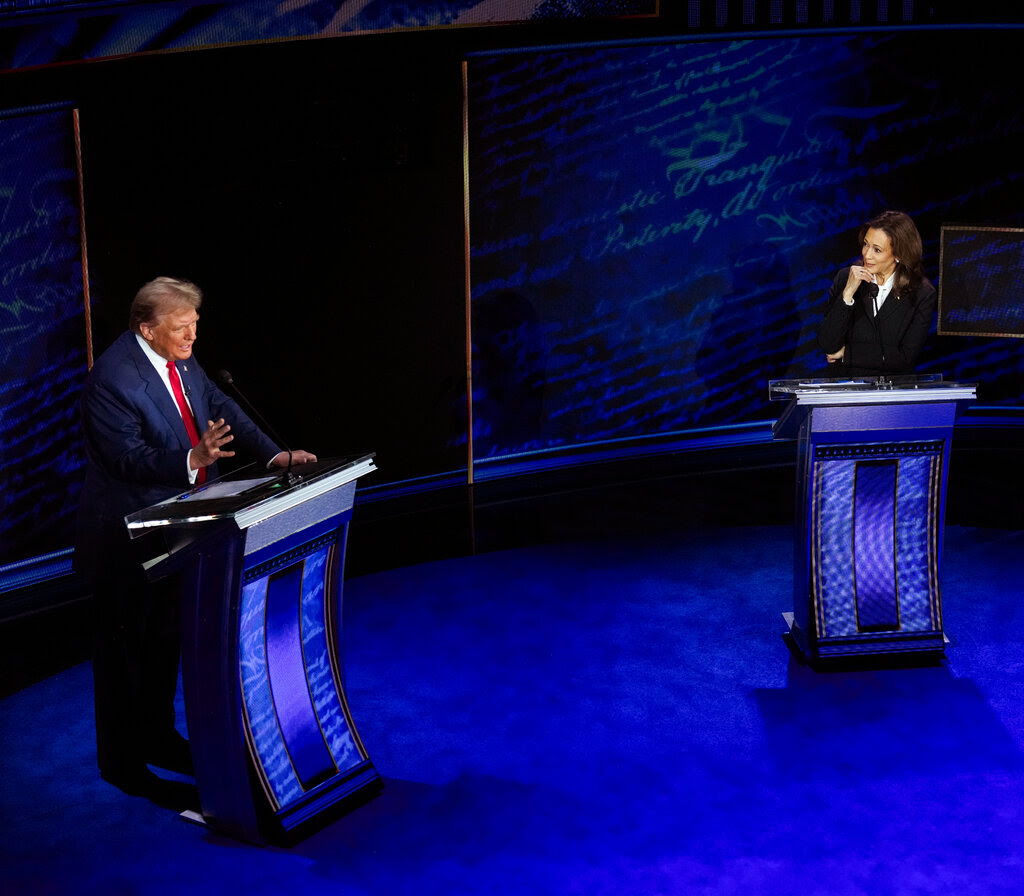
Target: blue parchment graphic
x,y
137,29
983,281
654,228
42,331
256,694
317,604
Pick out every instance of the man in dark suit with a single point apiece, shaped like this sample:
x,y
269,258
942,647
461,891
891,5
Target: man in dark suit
x,y
155,425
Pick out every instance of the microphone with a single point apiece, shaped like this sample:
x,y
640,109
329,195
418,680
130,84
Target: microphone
x,y
873,292
225,379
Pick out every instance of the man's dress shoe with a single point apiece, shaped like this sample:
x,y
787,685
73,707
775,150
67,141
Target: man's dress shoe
x,y
135,781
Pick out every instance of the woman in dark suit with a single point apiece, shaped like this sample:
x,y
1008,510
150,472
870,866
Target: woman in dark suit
x,y
879,312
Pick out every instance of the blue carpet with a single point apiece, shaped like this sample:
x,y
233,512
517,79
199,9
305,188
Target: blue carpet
x,y
613,716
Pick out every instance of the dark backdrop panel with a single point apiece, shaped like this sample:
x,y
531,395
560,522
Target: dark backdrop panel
x,y
314,190
982,281
654,228
316,198
42,331
81,33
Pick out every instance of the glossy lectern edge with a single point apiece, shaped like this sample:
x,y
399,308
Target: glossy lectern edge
x,y
253,505
186,520
801,402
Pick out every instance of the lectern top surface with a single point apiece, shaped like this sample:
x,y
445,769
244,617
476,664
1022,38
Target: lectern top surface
x,y
251,493
779,390
806,395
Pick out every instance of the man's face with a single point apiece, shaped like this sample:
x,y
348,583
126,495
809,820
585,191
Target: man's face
x,y
172,335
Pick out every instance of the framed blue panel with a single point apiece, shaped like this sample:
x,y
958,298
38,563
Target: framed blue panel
x,y
43,334
654,227
981,292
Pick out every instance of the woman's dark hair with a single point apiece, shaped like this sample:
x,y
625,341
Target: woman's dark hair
x,y
906,247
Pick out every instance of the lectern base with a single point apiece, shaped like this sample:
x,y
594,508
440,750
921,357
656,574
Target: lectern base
x,y
368,788
877,650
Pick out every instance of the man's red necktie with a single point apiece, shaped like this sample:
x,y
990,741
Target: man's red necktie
x,y
186,415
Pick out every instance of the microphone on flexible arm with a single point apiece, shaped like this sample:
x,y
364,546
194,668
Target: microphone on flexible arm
x,y
873,292
225,379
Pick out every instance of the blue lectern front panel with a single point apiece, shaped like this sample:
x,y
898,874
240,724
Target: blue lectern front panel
x,y
877,511
299,731
874,549
261,720
322,674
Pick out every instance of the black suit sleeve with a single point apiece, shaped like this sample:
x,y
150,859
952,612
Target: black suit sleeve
x,y
838,321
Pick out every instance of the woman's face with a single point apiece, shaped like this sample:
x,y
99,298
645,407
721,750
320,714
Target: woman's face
x,y
876,254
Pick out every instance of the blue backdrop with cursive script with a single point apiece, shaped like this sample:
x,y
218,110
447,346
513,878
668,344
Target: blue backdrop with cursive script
x,y
42,331
654,227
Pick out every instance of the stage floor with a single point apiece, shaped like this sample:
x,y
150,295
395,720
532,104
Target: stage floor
x,y
595,715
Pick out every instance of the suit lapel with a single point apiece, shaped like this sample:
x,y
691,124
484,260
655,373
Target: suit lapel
x,y
867,303
157,393
889,307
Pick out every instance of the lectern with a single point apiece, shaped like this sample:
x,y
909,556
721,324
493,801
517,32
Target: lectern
x,y
261,558
873,456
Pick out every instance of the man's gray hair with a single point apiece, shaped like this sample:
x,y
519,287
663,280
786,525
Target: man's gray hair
x,y
162,296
